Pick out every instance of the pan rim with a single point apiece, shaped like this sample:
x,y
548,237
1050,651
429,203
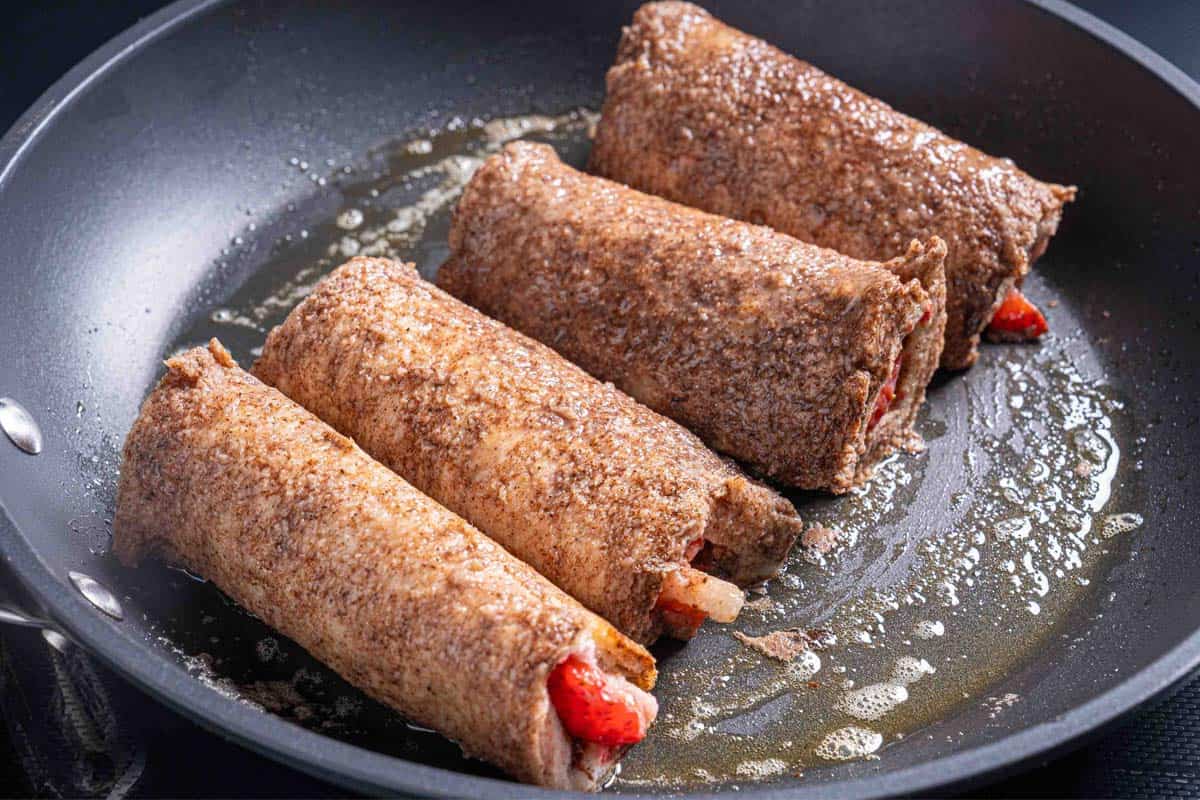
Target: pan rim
x,y
357,768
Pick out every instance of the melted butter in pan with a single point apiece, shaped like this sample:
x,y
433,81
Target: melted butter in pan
x,y
950,568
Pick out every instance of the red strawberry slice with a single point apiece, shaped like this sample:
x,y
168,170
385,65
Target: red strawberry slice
x,y
887,393
1017,319
592,706
684,619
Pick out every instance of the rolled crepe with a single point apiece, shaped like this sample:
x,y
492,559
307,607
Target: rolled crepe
x,y
706,115
404,599
598,493
804,363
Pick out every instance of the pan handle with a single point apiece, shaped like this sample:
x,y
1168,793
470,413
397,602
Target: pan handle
x,y
12,614
69,732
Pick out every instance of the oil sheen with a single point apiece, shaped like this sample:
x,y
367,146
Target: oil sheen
x,y
951,567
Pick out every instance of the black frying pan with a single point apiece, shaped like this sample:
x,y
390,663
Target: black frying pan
x,y
123,189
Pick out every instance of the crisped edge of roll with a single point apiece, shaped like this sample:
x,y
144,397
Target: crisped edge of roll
x,y
131,543
616,652
964,356
921,352
743,505
744,539
925,264
747,535
1047,228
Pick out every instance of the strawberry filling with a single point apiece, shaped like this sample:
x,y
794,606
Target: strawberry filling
x,y
1018,318
596,707
691,593
682,619
887,393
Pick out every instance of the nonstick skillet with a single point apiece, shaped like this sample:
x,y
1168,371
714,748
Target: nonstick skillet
x,y
160,180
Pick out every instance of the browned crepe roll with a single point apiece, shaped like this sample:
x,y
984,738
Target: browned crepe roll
x,y
706,115
777,352
404,599
598,493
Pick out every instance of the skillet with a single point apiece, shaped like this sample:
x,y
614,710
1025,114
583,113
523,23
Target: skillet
x,y
122,186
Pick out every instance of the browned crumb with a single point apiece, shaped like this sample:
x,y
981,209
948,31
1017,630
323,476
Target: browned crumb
x,y
786,644
821,638
782,645
280,697
819,539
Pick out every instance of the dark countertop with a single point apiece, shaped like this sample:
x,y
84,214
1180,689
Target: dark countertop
x,y
1156,753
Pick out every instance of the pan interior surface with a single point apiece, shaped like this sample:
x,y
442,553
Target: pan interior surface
x,y
202,183
913,617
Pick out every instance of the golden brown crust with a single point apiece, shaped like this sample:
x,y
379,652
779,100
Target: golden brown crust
x,y
595,491
772,350
706,115
403,598
921,353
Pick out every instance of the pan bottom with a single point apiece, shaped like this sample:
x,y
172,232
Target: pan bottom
x,y
912,603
